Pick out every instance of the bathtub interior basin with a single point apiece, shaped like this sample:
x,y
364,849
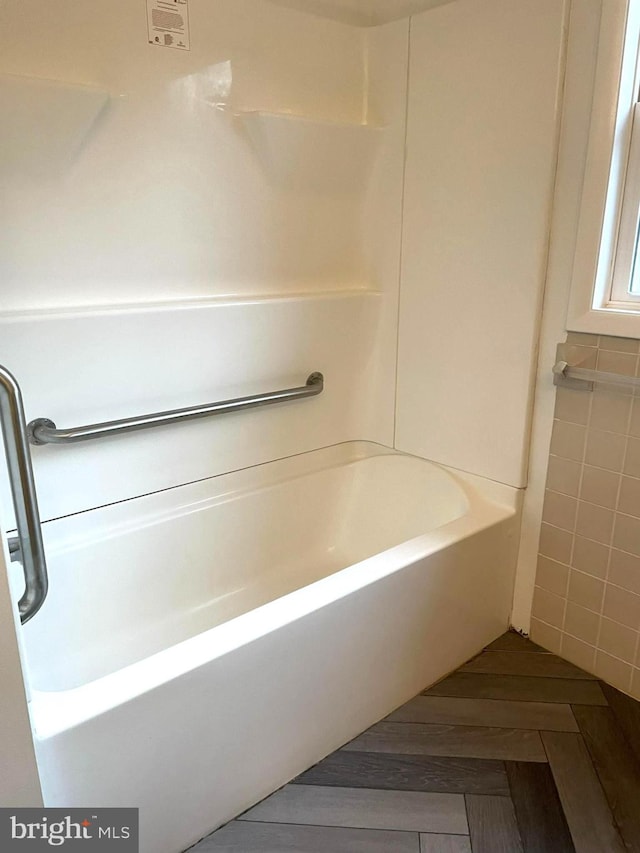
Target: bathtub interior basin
x,y
130,579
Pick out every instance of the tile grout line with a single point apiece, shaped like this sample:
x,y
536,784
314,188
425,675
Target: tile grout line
x,y
342,826
614,510
608,570
624,466
636,661
573,536
591,645
579,680
414,791
595,577
472,726
416,834
595,647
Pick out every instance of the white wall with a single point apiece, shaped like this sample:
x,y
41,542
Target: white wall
x,y
166,260
240,278
19,783
93,366
576,119
176,261
167,197
481,152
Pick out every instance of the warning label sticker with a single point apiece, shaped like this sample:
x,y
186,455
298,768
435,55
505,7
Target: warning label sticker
x,y
168,23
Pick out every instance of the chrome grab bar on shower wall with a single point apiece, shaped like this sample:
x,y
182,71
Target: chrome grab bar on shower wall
x,y
44,431
23,491
585,378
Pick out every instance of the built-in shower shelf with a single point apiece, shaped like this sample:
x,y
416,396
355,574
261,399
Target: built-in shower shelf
x,y
302,150
45,122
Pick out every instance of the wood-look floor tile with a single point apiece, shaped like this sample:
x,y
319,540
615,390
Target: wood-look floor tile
x,y
552,716
493,826
445,844
519,687
409,773
484,732
243,836
583,801
464,741
514,642
541,821
627,712
364,808
530,664
617,768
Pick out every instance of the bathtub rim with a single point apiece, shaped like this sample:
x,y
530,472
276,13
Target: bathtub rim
x,y
488,504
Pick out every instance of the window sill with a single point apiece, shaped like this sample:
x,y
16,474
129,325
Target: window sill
x,y
617,323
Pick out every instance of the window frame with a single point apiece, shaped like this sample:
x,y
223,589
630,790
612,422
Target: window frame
x,y
626,266
606,238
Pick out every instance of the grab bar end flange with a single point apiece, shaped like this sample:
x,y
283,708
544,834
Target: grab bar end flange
x,y
34,426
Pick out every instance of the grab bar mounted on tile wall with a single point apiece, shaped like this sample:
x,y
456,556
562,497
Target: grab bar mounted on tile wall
x,y
44,431
23,491
583,378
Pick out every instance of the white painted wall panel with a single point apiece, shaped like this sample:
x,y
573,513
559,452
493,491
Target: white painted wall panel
x,y
166,197
89,367
19,781
481,153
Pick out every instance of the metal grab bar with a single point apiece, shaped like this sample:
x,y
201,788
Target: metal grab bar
x,y
23,491
584,378
44,431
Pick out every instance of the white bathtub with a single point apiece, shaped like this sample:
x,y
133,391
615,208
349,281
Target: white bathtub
x,y
202,646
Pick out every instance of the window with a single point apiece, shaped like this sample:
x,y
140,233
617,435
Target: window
x,y
625,280
605,291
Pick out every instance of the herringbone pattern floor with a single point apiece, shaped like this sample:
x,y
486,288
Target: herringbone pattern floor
x,y
516,752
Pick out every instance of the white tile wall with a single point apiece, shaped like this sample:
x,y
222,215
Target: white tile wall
x,y
587,600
